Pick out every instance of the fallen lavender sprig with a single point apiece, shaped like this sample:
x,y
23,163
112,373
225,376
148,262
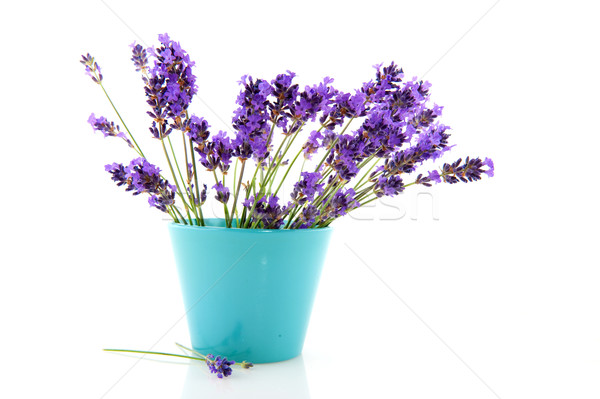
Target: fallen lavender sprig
x,y
362,145
217,365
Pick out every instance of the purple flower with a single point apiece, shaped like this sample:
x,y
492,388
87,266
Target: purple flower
x,y
285,94
342,202
345,167
307,187
386,80
419,90
490,164
312,145
313,100
267,211
430,145
424,119
139,57
308,217
164,38
248,202
91,68
251,119
219,365
170,87
144,176
119,174
328,138
467,171
203,195
344,106
351,147
163,200
140,176
197,129
243,150
222,192
380,134
389,186
109,129
173,92
216,153
434,176
396,125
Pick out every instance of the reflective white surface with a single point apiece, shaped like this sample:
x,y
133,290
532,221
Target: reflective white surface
x,y
523,329
476,291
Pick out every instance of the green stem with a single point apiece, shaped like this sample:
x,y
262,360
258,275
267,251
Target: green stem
x,y
357,185
302,168
139,150
187,170
175,160
183,181
287,148
237,193
262,176
268,174
235,168
360,195
191,350
172,214
293,214
366,202
186,206
288,171
196,184
152,353
180,215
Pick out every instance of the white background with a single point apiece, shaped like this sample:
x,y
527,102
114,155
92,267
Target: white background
x,y
491,292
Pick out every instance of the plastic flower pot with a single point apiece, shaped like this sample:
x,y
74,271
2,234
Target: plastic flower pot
x,y
248,293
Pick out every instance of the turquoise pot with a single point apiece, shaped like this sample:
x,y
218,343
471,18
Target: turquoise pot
x,y
248,293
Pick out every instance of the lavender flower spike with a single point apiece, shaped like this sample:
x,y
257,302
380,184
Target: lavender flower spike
x,y
91,68
368,143
139,57
222,193
107,128
490,164
467,171
219,365
140,176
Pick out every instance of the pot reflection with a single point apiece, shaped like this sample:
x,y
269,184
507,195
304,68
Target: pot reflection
x,y
270,380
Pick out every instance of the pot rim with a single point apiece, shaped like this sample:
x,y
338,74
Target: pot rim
x,y
173,225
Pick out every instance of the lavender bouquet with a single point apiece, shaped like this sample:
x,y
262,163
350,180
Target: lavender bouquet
x,y
352,148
